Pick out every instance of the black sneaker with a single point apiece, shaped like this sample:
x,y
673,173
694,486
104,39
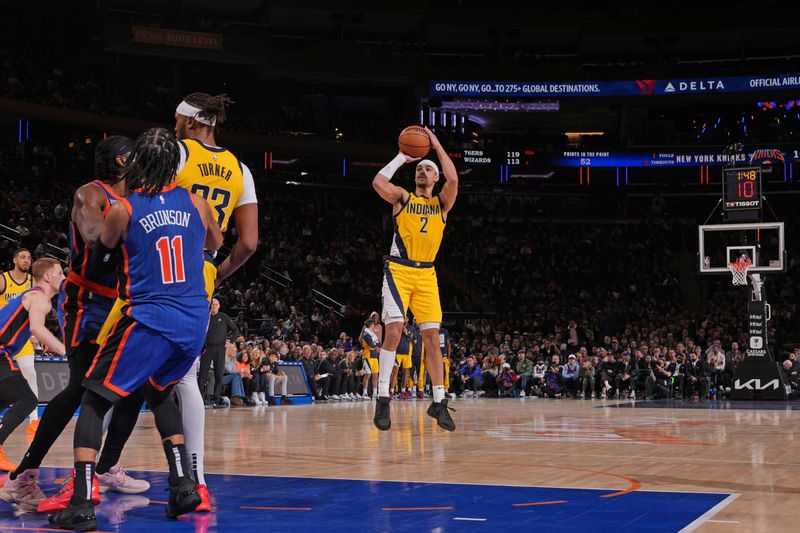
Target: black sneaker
x,y
439,411
183,498
382,420
75,517
271,401
286,401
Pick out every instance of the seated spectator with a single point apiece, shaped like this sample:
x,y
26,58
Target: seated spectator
x,y
506,381
587,379
524,370
489,375
325,376
659,383
232,378
470,379
537,377
259,365
627,372
243,368
696,375
570,373
277,375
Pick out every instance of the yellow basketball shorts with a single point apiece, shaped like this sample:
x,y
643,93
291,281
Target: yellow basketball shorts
x,y
27,349
209,276
374,364
407,287
403,360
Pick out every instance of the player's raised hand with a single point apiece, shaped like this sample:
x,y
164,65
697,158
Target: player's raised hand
x,y
410,159
435,144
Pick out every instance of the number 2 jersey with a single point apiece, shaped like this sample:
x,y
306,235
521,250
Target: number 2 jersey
x,y
218,176
162,276
418,230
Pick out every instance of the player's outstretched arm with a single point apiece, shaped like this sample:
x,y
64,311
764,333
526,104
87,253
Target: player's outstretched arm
x,y
382,181
213,233
37,311
450,187
87,212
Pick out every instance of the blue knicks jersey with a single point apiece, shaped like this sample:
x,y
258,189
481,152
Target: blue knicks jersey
x,y
15,326
85,298
162,275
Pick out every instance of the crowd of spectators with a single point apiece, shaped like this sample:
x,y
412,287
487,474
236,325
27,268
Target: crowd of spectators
x,y
512,295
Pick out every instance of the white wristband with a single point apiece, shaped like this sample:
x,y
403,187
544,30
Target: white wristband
x,y
389,170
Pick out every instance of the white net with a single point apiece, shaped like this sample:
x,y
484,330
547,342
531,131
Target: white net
x,y
739,272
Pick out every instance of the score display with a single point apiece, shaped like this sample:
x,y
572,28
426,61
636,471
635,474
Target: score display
x,y
513,157
741,188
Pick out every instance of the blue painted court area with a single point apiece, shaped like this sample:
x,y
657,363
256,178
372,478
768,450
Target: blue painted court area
x,y
275,504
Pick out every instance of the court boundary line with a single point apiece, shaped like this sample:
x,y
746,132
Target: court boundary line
x,y
705,517
610,489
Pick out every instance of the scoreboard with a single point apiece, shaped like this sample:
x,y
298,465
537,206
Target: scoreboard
x,y
516,157
741,188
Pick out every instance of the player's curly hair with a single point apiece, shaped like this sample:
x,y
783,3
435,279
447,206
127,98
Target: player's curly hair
x,y
105,155
154,161
211,107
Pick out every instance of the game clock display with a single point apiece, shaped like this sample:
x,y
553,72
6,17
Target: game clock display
x,y
741,188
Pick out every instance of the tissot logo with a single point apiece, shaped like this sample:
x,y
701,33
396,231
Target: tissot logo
x,y
646,86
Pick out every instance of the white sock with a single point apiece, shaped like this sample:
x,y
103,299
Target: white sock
x,y
386,362
194,420
438,393
365,391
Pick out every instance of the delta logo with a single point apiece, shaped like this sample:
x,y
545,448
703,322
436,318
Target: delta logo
x,y
694,86
767,157
646,86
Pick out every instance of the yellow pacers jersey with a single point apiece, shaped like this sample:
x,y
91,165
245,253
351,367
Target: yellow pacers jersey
x,y
418,229
215,174
14,289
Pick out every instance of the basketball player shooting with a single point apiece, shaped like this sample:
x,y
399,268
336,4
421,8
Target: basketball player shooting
x,y
409,279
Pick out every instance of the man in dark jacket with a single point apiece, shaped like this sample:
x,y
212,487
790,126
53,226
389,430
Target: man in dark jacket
x,y
696,376
220,328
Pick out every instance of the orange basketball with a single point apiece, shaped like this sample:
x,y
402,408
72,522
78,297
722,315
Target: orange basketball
x,y
414,141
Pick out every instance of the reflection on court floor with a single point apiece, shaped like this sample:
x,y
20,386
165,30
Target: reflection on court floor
x,y
261,503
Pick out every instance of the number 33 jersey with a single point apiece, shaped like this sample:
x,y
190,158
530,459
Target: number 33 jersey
x,y
418,229
162,276
218,176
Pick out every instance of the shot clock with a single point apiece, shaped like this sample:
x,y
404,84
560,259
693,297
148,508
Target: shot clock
x,y
741,188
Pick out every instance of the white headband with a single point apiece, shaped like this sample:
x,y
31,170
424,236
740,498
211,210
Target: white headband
x,y
188,110
429,162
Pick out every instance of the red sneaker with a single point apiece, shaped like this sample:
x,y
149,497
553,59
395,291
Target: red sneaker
x,y
60,500
205,502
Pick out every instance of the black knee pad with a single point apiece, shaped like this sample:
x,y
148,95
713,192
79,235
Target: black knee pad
x,y
89,429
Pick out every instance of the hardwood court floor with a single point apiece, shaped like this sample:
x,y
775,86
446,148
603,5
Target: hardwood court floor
x,y
752,454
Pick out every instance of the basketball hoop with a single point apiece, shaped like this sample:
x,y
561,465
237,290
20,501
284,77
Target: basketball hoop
x,y
739,271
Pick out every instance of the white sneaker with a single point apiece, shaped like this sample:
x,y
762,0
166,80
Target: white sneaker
x,y
522,394
334,397
25,491
118,480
